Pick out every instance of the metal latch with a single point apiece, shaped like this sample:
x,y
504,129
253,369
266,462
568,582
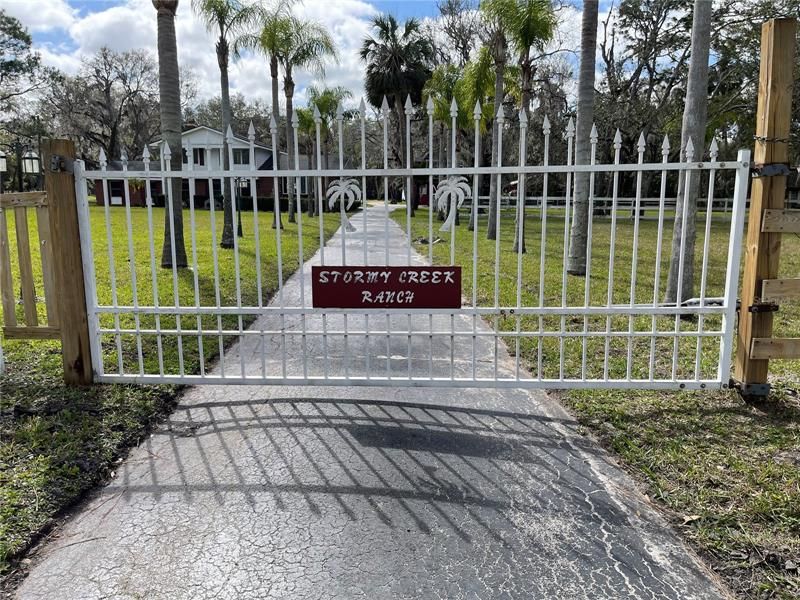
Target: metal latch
x,y
61,164
763,307
771,169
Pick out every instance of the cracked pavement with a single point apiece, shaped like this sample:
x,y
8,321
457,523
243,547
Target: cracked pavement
x,y
366,492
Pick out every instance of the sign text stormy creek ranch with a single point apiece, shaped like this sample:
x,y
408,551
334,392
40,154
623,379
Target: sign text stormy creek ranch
x,y
386,287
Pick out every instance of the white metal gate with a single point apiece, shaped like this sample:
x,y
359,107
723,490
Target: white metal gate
x,y
524,321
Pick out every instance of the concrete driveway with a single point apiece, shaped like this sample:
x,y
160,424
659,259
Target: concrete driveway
x,y
288,492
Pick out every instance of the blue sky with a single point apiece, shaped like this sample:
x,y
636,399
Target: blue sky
x,y
67,31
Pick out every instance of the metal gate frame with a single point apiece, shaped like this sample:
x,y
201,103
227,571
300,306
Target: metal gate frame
x,y
458,183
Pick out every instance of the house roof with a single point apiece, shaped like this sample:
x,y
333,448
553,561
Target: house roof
x,y
216,133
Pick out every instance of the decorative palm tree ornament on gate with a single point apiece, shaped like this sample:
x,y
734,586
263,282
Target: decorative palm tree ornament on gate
x,y
341,190
452,191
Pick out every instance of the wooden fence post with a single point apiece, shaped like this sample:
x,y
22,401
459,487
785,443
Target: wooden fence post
x,y
763,247
67,262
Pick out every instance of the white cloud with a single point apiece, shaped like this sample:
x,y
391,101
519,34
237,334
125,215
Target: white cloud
x,y
41,15
125,27
132,24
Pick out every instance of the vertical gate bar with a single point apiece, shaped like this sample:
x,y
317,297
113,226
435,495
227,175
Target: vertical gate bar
x,y
195,268
385,113
454,163
429,108
345,223
363,119
500,120
320,212
612,250
251,139
543,241
587,288
214,256
342,210
659,243
153,271
167,156
409,110
273,130
111,262
734,257
87,259
476,116
235,212
570,133
320,200
706,245
132,260
682,255
300,255
640,148
523,135
362,112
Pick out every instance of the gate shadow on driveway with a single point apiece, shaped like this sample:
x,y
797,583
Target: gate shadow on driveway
x,y
425,464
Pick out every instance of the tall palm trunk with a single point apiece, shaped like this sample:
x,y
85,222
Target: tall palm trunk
x,y
273,73
170,106
223,54
576,264
288,90
499,52
694,127
312,193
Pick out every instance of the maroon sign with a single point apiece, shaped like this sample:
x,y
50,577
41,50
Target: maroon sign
x,y
386,287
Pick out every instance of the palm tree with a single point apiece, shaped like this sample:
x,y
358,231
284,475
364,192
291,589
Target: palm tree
x,y
170,102
327,101
693,128
275,30
527,24
307,46
228,18
450,196
476,86
398,63
345,192
576,264
276,26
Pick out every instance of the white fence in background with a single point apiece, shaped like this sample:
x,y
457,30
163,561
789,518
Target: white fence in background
x,y
609,329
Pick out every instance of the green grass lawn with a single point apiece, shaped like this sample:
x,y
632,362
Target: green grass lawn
x,y
58,442
727,473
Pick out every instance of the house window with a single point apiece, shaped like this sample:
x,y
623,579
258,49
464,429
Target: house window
x,y
199,156
241,156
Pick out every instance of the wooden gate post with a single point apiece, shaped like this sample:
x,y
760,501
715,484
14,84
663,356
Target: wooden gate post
x,y
763,246
57,160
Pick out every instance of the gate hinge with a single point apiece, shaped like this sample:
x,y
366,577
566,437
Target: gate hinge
x,y
771,169
750,390
61,164
763,307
